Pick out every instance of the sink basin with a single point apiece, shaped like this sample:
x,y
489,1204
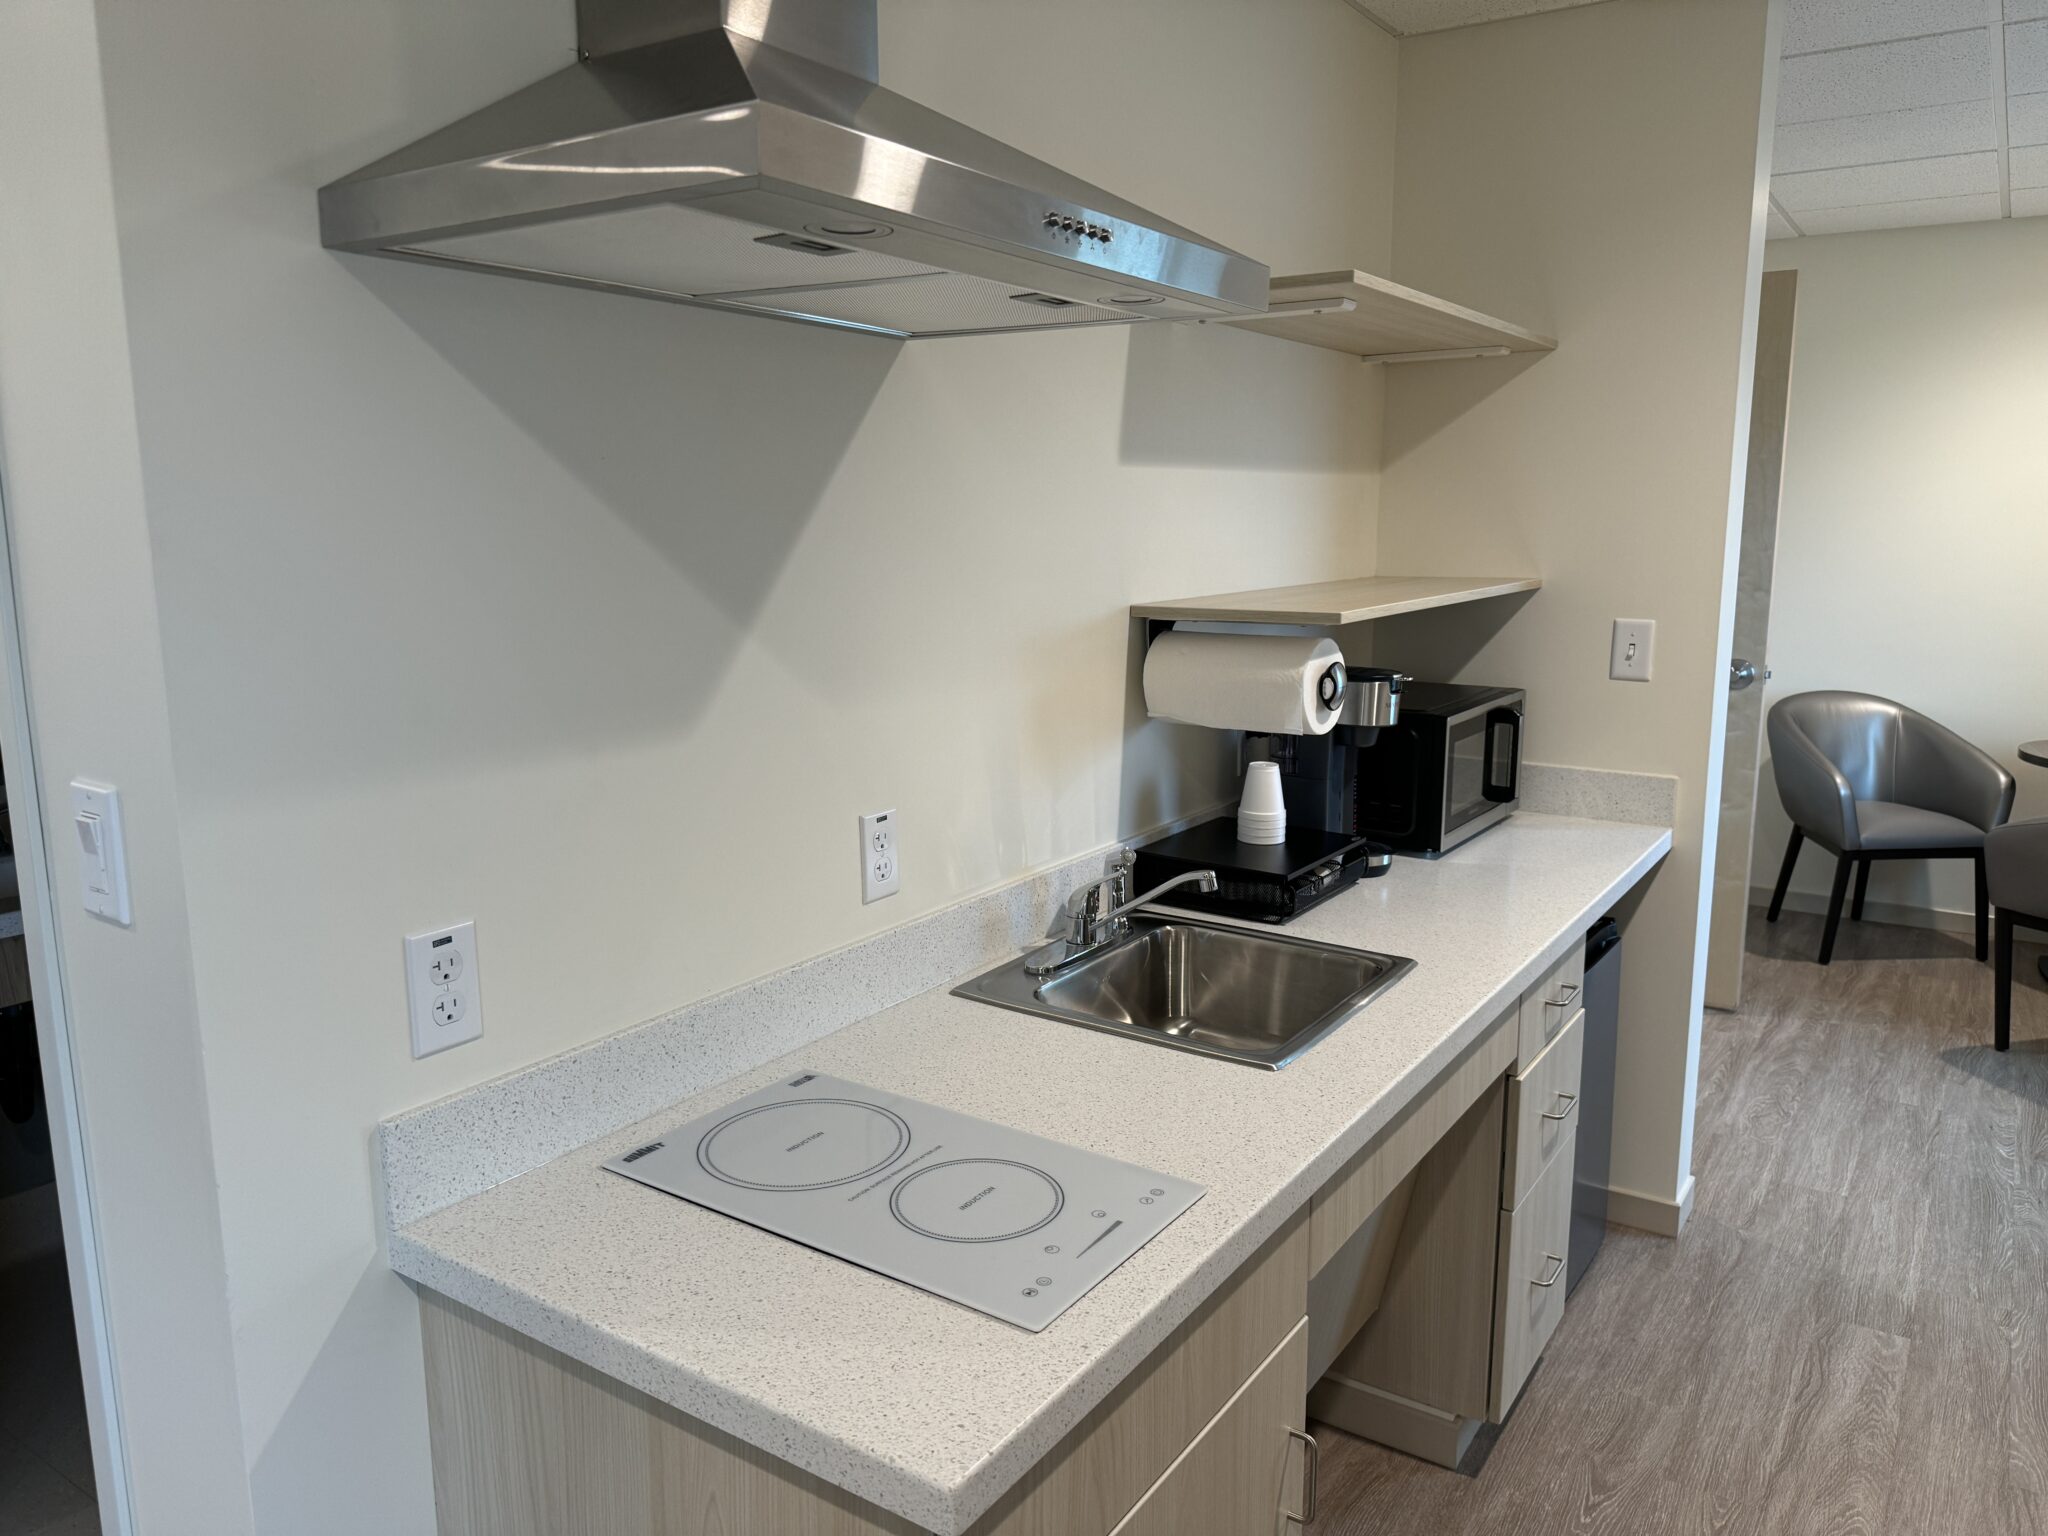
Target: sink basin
x,y
1257,998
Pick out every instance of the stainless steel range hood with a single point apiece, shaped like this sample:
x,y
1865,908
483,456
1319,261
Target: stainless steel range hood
x,y
739,154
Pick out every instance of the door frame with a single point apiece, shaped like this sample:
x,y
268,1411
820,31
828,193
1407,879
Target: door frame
x,y
1728,889
53,1043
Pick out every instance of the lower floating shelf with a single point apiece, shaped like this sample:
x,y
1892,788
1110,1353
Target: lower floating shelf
x,y
1337,602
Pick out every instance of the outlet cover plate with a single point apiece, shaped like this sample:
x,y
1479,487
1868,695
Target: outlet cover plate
x,y
443,988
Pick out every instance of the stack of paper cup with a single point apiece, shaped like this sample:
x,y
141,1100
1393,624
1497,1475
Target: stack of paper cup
x,y
1262,813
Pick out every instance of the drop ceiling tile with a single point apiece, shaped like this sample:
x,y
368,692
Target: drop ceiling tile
x,y
2026,119
1929,210
1887,77
1912,134
1896,181
2029,202
2026,10
2026,58
1812,24
1776,227
2029,165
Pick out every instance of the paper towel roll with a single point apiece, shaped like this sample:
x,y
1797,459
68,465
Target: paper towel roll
x,y
1244,682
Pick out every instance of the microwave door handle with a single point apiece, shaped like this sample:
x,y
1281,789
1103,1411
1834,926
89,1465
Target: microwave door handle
x,y
1500,794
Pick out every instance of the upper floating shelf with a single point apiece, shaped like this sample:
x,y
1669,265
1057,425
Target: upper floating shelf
x,y
1337,602
1383,322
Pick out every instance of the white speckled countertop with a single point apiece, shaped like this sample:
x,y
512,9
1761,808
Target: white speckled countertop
x,y
930,1409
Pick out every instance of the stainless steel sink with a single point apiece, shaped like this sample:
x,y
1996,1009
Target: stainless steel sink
x,y
1235,993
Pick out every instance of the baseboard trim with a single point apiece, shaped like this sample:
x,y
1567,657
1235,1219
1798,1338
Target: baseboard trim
x,y
1651,1213
1815,903
1422,1431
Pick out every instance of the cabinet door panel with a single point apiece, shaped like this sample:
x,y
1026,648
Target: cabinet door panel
x,y
1535,1242
1551,1004
1542,1111
1244,1469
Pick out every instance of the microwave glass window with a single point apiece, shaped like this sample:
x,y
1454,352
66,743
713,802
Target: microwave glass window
x,y
1465,794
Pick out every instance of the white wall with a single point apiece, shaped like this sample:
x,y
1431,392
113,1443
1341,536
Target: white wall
x,y
1592,173
600,620
88,628
1913,528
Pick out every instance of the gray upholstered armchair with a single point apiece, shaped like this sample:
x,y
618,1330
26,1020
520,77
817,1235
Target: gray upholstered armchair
x,y
1869,779
2016,863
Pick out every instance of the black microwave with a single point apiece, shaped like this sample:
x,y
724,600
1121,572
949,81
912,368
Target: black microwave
x,y
1448,769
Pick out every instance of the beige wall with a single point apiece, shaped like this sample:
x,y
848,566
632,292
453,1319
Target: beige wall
x,y
1913,531
1592,173
601,620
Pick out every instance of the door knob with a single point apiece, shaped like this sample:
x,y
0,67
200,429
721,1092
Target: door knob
x,y
1742,673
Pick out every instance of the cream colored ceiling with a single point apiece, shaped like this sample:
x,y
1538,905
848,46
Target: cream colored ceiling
x,y
1901,112
1404,18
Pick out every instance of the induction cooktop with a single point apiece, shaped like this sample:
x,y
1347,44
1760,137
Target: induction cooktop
x,y
1001,1221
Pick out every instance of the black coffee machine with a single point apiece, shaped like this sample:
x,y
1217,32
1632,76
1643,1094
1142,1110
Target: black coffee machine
x,y
1322,855
1318,774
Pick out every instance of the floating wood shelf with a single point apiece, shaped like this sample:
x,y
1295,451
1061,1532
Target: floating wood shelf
x,y
1337,602
1383,322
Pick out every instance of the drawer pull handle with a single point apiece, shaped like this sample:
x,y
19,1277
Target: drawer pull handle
x,y
1309,1457
1556,1269
1567,1100
1566,996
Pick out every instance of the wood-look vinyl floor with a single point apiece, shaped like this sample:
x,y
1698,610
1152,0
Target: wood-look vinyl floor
x,y
1852,1334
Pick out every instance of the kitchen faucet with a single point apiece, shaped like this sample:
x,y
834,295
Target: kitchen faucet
x,y
1098,914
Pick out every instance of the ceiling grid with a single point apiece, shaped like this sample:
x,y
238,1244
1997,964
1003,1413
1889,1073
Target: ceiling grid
x,y
1902,112
1890,112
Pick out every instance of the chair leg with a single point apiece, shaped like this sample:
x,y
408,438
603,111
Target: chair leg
x,y
1827,939
2001,1025
1983,909
1862,885
1785,876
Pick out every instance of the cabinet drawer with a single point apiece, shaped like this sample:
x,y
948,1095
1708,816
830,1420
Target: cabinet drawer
x,y
1543,1111
1550,1004
1529,1291
1244,1468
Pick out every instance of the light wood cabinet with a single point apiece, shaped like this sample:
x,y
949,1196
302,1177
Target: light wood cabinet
x,y
1242,1476
1552,1002
1535,1245
1543,1103
529,1442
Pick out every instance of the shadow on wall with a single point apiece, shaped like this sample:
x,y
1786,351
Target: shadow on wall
x,y
1438,644
1169,770
1433,395
1218,397
345,1425
618,483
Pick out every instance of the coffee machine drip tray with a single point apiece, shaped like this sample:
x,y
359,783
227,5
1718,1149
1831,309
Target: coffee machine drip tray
x,y
1266,882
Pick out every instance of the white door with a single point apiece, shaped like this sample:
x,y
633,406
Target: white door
x,y
1730,913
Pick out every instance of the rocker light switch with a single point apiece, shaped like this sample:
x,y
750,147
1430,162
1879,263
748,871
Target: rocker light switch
x,y
102,851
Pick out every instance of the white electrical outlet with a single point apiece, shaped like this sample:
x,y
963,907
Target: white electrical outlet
x,y
1635,644
879,872
443,987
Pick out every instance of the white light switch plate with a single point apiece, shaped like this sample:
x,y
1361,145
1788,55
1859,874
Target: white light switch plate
x,y
879,872
443,988
1635,646
102,850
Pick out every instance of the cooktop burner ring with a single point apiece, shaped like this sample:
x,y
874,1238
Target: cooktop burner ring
x,y
1059,1200
706,1158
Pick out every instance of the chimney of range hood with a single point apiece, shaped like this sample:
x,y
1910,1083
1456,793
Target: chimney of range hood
x,y
836,33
